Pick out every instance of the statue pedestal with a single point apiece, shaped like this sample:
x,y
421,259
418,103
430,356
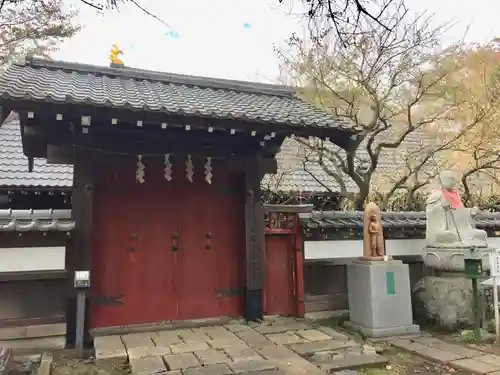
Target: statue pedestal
x,y
451,259
379,298
446,299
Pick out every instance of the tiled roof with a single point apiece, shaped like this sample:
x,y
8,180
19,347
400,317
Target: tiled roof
x,y
299,171
14,165
413,220
128,88
36,220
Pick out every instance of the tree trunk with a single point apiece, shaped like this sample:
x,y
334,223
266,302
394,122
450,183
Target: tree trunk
x,y
359,202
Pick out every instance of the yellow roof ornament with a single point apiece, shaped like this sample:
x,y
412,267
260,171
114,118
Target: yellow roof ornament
x,y
113,56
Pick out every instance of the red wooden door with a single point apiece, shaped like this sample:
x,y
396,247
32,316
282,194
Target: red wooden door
x,y
225,221
211,247
279,287
132,258
135,229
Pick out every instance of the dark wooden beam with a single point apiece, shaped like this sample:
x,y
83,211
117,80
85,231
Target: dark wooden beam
x,y
73,113
79,253
254,233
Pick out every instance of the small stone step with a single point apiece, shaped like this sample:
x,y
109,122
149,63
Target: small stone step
x,y
354,361
34,346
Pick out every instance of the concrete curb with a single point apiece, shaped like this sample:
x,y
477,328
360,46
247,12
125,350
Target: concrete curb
x,y
45,364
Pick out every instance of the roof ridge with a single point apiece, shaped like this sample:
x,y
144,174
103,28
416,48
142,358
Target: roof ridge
x,y
149,75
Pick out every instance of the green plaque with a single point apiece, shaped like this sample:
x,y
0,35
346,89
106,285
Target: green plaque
x,y
391,283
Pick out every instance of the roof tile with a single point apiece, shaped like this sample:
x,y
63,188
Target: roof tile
x,y
414,220
14,165
60,82
36,220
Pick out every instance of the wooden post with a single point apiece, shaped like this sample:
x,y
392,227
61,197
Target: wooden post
x,y
299,269
79,253
254,232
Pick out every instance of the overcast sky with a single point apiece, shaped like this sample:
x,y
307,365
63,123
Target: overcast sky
x,y
213,40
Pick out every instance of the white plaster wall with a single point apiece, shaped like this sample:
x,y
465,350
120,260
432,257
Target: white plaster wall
x,y
338,250
25,259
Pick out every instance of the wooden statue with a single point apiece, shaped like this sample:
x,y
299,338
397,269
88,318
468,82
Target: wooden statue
x,y
373,236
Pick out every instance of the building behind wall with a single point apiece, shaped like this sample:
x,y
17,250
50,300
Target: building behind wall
x,y
35,225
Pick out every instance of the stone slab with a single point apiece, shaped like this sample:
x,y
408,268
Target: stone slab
x,y
438,355
181,361
267,372
217,333
407,344
135,340
46,330
34,345
5,360
489,358
354,361
457,349
223,344
212,357
288,361
237,327
253,338
166,338
109,348
45,367
148,351
12,333
313,335
189,336
281,328
149,365
428,340
244,366
219,369
285,338
320,346
333,333
240,354
189,347
474,366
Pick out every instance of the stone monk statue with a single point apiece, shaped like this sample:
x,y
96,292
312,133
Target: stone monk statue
x,y
449,223
373,236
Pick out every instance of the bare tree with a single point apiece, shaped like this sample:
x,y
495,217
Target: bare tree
x,y
341,16
391,83
33,27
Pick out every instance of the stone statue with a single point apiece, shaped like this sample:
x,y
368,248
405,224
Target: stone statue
x,y
449,223
373,236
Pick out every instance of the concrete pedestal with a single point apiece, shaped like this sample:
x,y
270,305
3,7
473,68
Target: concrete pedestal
x,y
380,298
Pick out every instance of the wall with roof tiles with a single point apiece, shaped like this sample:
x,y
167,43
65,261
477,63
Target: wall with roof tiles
x,y
341,252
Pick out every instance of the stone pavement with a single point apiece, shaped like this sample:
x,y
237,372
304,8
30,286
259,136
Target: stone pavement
x,y
280,346
456,356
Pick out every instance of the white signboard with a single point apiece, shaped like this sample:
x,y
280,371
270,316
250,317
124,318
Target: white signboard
x,y
495,263
495,272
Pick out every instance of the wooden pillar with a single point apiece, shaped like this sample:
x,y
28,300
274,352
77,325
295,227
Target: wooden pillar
x,y
299,269
79,253
254,232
